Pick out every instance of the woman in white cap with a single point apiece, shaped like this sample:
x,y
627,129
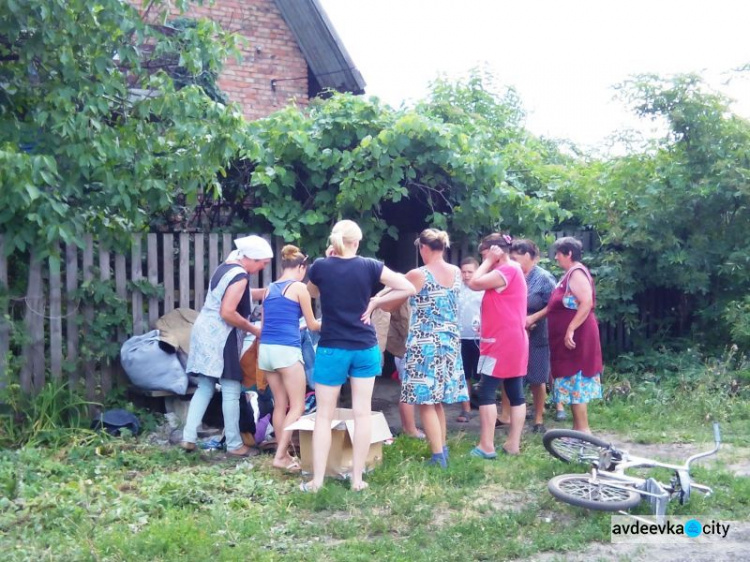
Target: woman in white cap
x,y
216,341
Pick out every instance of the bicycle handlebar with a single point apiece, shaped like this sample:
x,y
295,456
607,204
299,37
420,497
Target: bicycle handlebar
x,y
717,440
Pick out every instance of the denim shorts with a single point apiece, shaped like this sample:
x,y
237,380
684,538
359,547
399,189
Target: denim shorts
x,y
272,356
334,365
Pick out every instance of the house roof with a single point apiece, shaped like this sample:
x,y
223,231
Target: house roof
x,y
326,56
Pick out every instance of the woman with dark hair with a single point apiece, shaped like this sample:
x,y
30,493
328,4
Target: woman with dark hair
x,y
280,353
504,344
575,349
539,284
433,370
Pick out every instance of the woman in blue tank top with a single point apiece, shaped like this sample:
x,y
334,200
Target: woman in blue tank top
x,y
280,354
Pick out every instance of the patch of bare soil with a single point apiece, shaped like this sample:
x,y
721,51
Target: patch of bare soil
x,y
735,459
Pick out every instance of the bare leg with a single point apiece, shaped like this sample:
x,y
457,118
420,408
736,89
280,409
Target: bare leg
x,y
326,398
440,411
580,417
408,418
432,429
539,392
294,381
362,407
517,420
487,418
504,416
280,406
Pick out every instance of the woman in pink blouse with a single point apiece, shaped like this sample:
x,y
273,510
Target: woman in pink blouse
x,y
504,343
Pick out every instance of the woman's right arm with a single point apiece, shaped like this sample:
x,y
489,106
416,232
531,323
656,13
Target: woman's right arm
x,y
228,310
305,303
485,277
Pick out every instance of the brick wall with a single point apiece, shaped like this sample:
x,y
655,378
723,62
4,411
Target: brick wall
x,y
271,53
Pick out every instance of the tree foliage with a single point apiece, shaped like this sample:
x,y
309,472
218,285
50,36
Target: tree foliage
x,y
459,161
95,134
675,217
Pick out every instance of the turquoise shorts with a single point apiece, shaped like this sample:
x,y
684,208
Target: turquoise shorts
x,y
334,365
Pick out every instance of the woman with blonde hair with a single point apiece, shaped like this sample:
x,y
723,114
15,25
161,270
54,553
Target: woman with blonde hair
x,y
348,347
433,369
280,353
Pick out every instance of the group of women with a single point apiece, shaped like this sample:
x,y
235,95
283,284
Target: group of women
x,y
433,371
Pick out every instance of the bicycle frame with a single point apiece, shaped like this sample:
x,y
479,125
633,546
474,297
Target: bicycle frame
x,y
659,494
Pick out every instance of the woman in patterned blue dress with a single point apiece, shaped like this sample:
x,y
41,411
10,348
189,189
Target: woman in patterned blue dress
x,y
433,370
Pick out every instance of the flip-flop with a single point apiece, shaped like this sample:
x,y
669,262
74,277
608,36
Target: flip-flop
x,y
499,423
307,488
362,486
464,417
479,453
249,452
294,467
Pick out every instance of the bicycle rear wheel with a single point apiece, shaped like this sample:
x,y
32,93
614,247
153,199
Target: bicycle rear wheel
x,y
580,491
578,447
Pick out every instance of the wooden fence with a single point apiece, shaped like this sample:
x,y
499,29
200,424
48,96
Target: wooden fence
x,y
160,273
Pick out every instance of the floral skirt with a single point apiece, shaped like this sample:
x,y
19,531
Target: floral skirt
x,y
576,389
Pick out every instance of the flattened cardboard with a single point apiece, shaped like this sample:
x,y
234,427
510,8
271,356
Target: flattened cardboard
x,y
342,433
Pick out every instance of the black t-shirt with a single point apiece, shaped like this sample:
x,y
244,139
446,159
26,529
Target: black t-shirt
x,y
346,286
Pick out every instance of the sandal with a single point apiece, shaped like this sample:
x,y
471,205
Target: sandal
x,y
464,417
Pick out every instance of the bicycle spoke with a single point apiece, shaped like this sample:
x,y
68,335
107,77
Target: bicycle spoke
x,y
594,492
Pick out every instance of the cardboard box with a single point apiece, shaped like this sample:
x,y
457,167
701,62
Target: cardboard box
x,y
342,433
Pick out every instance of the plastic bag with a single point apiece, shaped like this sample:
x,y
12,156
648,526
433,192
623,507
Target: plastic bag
x,y
149,367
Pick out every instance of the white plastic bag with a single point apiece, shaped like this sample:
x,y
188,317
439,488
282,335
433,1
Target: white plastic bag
x,y
151,368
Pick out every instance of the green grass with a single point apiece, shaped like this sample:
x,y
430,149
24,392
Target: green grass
x,y
121,499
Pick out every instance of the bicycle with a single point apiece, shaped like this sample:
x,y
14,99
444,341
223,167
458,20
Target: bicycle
x,y
606,487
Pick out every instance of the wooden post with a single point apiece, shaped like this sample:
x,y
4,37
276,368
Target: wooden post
x,y
136,275
199,276
32,372
213,257
106,368
55,316
168,261
152,266
89,367
72,311
184,261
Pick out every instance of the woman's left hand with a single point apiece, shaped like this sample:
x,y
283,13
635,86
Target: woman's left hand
x,y
569,341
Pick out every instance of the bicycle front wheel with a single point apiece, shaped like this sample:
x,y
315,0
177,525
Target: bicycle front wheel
x,y
579,490
576,447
